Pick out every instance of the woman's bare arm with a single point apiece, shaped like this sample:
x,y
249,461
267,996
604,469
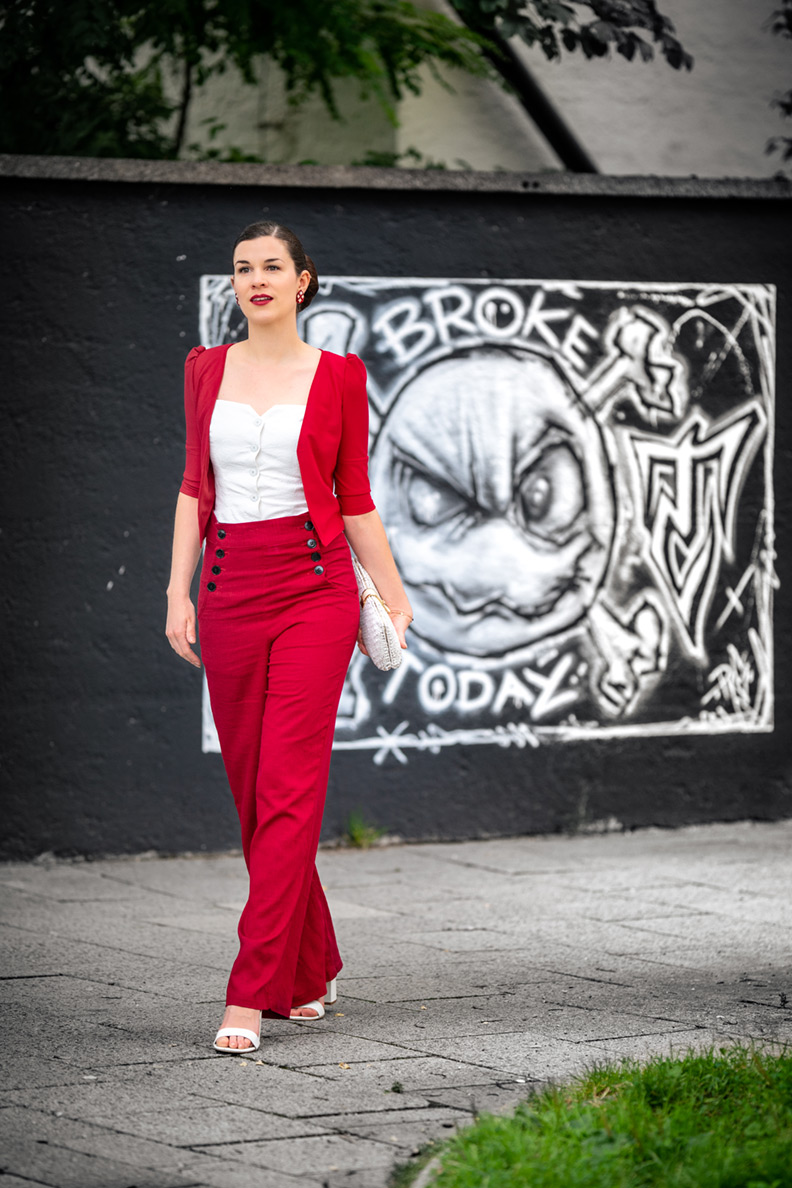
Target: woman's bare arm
x,y
366,535
180,626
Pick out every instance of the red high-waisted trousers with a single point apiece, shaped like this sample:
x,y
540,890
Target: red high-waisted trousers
x,y
278,617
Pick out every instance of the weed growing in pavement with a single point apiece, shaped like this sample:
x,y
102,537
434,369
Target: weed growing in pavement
x,y
360,833
716,1119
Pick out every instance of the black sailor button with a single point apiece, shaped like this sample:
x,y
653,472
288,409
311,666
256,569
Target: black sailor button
x,y
216,569
318,569
219,552
316,556
221,533
311,543
308,526
211,586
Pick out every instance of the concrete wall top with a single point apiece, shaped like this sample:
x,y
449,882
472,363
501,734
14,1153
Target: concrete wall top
x,y
343,177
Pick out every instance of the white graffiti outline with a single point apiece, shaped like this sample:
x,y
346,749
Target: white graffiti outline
x,y
434,738
759,580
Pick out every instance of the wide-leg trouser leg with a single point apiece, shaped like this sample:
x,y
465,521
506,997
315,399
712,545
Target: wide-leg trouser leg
x,y
276,646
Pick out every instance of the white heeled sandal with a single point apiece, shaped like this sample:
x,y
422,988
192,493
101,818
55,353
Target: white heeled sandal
x,y
245,1032
331,996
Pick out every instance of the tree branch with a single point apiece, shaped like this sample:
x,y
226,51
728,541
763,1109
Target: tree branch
x,y
184,105
533,99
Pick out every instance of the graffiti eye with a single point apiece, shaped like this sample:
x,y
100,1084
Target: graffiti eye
x,y
432,502
551,495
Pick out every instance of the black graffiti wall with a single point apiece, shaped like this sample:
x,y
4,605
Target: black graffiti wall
x,y
579,447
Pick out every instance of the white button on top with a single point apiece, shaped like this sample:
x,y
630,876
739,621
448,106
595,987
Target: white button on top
x,y
253,470
257,421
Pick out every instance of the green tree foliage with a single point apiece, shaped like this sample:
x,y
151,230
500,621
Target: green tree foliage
x,y
69,82
592,26
780,24
87,77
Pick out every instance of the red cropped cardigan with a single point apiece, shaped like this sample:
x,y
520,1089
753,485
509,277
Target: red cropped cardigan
x,y
332,449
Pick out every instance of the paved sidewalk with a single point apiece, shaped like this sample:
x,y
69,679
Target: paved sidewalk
x,y
473,971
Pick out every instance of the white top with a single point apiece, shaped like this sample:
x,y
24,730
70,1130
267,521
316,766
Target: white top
x,y
254,458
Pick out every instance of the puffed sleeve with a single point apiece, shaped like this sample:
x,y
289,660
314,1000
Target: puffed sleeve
x,y
192,462
351,478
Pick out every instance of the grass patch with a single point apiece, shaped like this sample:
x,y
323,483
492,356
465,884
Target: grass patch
x,y
360,833
717,1119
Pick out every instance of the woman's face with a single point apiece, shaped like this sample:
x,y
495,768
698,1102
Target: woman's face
x,y
265,280
492,481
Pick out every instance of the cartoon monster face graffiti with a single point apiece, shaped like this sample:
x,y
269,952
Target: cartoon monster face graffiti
x,y
496,491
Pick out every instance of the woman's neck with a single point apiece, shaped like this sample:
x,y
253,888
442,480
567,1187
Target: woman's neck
x,y
273,344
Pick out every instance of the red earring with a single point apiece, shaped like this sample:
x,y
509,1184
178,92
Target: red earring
x,y
300,297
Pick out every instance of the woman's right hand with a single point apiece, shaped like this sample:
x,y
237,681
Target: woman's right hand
x,y
180,628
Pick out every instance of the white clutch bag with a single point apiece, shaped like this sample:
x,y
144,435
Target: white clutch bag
x,y
379,635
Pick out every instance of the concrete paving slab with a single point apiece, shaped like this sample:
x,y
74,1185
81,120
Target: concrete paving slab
x,y
93,1140
71,883
162,942
415,1074
212,1124
25,956
155,966
487,1099
645,1047
67,987
412,1133
131,928
440,1018
515,1053
220,1168
742,919
302,1050
474,972
366,1178
113,966
15,1182
314,1156
454,975
189,878
212,921
287,1092
627,1003
364,957
510,1010
54,1165
335,1099
468,940
103,1102
18,1072
446,1117
103,1043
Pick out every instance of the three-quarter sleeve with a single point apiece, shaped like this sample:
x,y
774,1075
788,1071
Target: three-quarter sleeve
x,y
191,481
350,477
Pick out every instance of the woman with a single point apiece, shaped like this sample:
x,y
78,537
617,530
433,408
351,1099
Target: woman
x,y
276,482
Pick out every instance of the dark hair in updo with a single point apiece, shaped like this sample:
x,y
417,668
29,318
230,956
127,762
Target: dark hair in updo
x,y
301,260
